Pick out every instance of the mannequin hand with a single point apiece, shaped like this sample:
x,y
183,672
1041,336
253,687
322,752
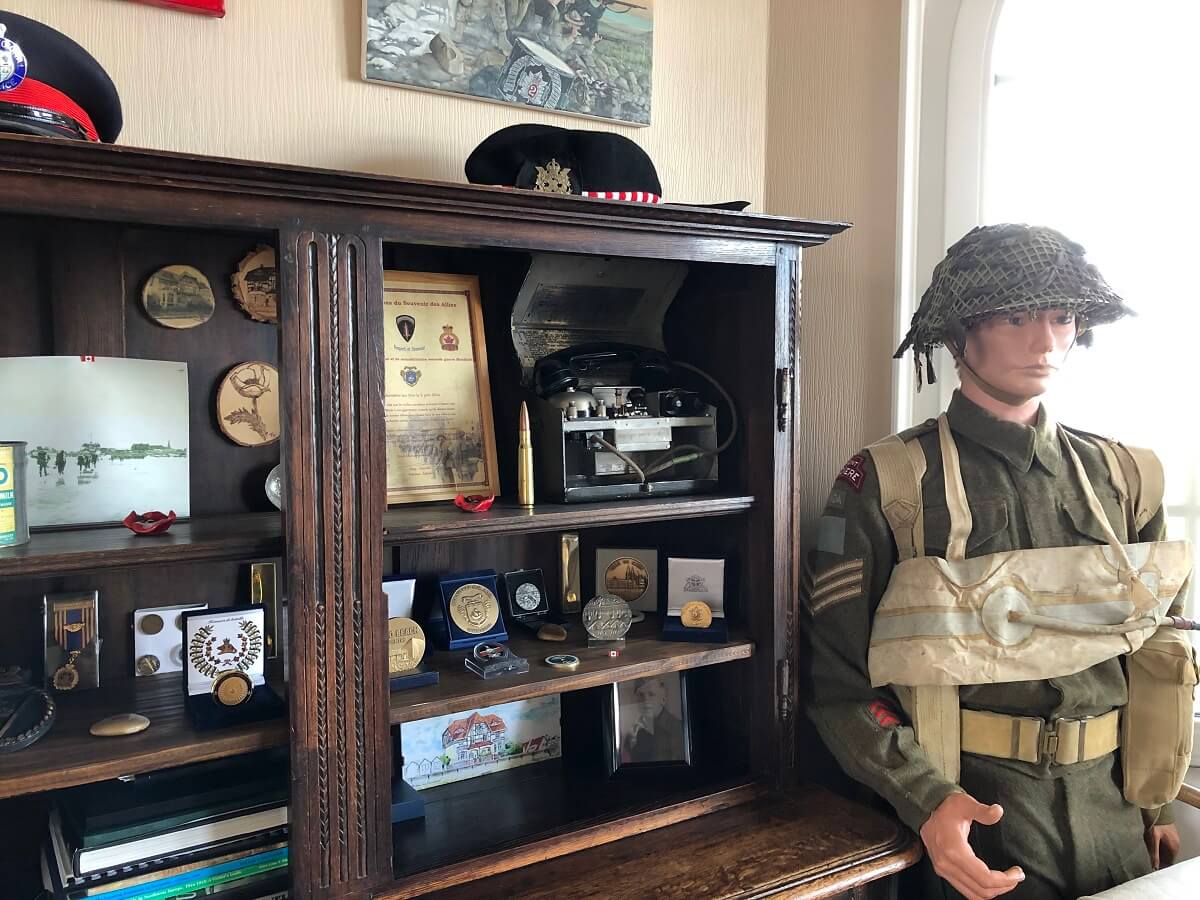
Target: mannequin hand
x,y
1163,843
945,837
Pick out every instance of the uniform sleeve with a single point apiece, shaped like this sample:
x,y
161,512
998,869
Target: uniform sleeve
x,y
844,579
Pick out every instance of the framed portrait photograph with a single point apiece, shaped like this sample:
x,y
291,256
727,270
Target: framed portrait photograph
x,y
650,727
437,401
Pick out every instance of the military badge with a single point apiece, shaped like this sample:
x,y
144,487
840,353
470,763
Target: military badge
x,y
553,179
448,340
407,326
411,375
12,62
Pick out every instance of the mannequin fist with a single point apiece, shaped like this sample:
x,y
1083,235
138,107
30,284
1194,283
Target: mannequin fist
x,y
945,837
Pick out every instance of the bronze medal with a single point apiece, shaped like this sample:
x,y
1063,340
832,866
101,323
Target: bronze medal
x,y
474,609
627,578
66,676
406,645
695,614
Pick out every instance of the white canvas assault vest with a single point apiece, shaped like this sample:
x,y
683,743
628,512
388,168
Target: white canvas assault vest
x,y
1032,614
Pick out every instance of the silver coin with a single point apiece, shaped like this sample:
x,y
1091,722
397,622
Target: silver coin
x,y
607,618
528,597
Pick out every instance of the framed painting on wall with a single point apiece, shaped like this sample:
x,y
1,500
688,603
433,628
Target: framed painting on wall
x,y
587,57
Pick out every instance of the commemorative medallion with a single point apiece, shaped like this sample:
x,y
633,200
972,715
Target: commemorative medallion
x,y
695,614
232,688
568,662
406,645
607,618
474,609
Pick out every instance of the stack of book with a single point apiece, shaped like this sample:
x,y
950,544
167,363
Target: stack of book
x,y
210,829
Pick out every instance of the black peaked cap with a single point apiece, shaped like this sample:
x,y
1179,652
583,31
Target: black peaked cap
x,y
56,60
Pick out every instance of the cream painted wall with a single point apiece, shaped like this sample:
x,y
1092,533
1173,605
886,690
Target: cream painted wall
x,y
832,153
278,80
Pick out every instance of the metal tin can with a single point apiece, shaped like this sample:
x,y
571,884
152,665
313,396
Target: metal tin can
x,y
14,526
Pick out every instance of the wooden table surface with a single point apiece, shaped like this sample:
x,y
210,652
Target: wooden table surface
x,y
810,844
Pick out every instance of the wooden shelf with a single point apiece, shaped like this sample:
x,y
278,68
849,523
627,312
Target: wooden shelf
x,y
644,654
809,844
255,535
445,521
199,540
498,822
68,755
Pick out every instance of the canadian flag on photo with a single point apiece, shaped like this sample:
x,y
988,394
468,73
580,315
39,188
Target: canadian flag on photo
x,y
87,359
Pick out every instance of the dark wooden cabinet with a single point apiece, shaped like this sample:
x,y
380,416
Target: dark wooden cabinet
x,y
81,227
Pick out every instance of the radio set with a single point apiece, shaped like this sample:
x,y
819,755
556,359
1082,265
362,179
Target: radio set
x,y
615,423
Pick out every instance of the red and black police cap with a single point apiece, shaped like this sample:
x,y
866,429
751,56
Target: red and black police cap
x,y
560,160
51,86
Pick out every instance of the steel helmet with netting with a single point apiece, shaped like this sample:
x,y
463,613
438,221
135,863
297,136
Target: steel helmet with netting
x,y
995,269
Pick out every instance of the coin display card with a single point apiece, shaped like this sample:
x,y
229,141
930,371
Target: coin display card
x,y
223,673
528,603
469,611
158,638
72,655
399,590
692,580
631,575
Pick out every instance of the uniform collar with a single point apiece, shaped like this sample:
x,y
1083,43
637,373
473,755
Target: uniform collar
x,y
1018,444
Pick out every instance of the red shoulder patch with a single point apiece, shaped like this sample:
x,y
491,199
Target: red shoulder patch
x,y
884,714
854,473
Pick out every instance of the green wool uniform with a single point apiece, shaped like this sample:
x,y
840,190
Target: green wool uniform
x,y
1067,826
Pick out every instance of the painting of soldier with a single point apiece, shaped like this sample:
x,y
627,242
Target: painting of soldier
x,y
588,57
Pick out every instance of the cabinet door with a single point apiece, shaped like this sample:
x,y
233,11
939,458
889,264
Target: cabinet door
x,y
333,468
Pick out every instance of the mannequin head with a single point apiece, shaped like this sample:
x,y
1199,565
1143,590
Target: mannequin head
x,y
1012,357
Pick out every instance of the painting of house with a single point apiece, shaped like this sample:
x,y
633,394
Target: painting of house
x,y
469,744
475,739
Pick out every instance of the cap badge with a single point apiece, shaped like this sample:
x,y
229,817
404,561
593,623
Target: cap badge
x,y
553,179
12,62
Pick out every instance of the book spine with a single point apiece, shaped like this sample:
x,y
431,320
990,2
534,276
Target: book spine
x,y
197,881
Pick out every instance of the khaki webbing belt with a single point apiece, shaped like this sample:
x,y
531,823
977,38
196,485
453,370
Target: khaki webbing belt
x,y
1030,739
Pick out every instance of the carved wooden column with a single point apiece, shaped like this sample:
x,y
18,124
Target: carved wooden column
x,y
332,371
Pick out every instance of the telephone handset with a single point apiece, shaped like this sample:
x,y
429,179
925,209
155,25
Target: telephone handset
x,y
648,368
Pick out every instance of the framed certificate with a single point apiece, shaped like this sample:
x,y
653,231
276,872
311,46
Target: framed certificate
x,y
437,401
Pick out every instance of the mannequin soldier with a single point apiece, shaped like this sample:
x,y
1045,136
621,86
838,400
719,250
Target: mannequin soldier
x,y
1010,301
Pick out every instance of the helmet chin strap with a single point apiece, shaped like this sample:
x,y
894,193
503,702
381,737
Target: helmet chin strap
x,y
1005,397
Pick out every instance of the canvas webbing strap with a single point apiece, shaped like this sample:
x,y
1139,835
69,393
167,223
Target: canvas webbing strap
x,y
956,494
900,469
934,713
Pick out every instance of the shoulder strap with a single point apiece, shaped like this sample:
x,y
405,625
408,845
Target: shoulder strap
x,y
900,466
1140,473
